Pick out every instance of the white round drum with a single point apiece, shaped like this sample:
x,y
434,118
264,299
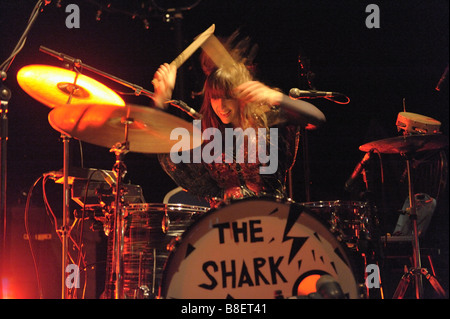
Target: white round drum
x,y
255,248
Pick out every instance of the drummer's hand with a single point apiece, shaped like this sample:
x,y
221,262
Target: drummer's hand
x,y
164,82
257,92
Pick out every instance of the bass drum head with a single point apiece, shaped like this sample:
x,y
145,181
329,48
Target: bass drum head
x,y
254,249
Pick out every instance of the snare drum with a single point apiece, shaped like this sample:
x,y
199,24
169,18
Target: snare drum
x,y
347,220
255,248
149,231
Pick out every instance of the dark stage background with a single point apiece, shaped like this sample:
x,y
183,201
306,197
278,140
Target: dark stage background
x,y
376,68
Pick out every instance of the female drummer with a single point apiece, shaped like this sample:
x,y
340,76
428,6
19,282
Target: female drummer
x,y
233,99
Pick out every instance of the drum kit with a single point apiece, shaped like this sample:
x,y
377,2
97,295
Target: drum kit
x,y
252,248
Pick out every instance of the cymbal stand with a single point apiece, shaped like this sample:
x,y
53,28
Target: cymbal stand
x,y
120,149
65,228
65,221
416,272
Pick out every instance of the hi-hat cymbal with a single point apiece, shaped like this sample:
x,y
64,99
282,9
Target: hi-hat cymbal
x,y
52,86
407,144
149,129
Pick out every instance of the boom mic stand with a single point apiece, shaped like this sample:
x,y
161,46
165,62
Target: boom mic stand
x,y
5,96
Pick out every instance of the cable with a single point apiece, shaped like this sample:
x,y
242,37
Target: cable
x,y
80,244
21,43
339,102
27,230
48,208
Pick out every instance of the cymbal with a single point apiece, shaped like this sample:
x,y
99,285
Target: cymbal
x,y
407,144
52,86
149,129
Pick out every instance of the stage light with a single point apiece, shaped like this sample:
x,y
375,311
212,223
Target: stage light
x,y
7,291
146,24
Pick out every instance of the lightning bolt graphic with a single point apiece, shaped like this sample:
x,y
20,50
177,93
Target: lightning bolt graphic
x,y
297,242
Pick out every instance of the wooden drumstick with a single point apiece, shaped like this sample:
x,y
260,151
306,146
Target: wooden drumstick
x,y
197,43
217,52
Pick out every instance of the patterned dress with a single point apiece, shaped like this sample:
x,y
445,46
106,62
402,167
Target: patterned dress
x,y
225,180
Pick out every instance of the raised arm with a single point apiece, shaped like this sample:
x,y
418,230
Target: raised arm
x,y
296,111
164,82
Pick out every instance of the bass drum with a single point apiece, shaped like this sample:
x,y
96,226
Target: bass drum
x,y
257,249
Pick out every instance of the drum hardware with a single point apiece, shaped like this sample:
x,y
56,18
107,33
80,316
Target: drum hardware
x,y
54,86
142,134
103,124
57,88
65,228
120,170
92,188
416,272
407,146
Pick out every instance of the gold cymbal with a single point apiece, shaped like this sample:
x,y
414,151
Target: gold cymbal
x,y
52,86
149,129
407,144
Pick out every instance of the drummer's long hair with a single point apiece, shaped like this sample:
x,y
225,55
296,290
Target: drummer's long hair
x,y
220,83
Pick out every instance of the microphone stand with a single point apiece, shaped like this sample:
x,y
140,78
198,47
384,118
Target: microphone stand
x,y
305,72
77,62
5,96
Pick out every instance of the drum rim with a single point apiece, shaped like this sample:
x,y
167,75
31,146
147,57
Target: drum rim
x,y
164,207
338,202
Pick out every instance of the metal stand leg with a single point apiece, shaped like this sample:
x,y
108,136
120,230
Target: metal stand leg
x,y
413,274
65,223
417,271
119,222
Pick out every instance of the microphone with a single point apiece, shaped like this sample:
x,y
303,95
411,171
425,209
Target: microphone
x,y
357,171
329,288
295,93
183,106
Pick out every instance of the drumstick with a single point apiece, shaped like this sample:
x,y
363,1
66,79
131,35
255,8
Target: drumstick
x,y
217,52
198,41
